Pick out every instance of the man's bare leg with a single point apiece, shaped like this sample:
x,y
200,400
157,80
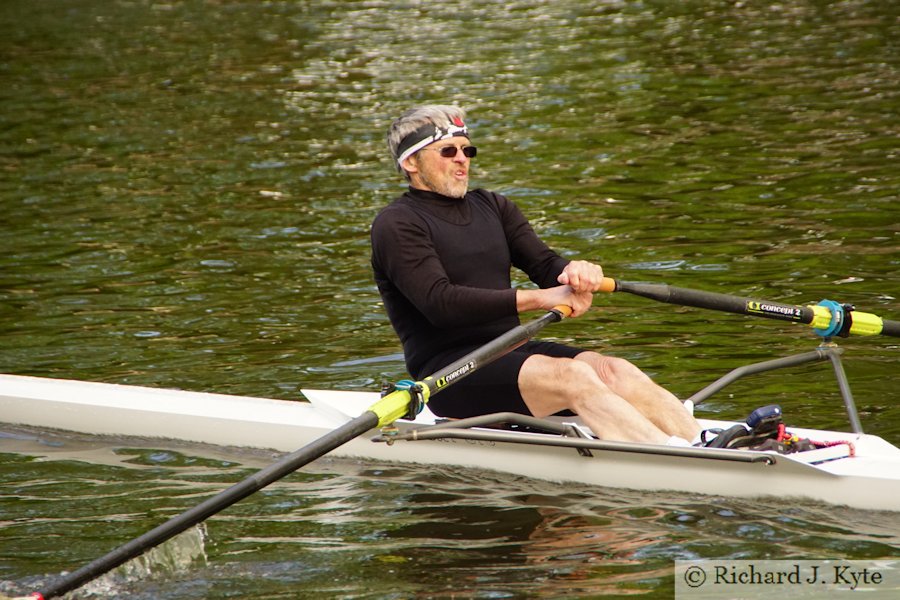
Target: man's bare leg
x,y
550,385
656,403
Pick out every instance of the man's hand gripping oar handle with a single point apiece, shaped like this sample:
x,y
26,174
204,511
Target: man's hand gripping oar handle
x,y
828,318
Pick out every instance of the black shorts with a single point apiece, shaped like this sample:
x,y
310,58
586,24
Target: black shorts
x,y
493,387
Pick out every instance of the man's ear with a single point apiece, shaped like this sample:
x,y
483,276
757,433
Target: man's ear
x,y
410,164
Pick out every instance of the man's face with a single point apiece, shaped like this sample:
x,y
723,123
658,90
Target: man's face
x,y
446,175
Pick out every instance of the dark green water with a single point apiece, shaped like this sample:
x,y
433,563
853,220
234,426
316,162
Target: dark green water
x,y
186,189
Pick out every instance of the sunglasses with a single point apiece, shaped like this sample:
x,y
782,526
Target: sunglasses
x,y
450,151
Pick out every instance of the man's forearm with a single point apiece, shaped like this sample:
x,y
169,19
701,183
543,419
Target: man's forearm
x,y
545,298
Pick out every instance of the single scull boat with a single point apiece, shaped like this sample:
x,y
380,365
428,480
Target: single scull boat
x,y
852,469
855,469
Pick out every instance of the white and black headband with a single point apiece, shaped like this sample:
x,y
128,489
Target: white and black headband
x,y
428,134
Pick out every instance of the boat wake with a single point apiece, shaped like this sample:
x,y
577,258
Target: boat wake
x,y
180,554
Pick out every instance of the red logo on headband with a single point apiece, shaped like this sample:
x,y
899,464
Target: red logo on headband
x,y
458,122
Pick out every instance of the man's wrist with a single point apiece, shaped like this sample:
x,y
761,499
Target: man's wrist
x,y
527,300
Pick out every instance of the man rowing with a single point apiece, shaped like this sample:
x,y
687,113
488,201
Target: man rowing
x,y
442,256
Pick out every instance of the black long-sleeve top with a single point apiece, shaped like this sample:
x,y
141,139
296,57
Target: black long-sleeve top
x,y
442,266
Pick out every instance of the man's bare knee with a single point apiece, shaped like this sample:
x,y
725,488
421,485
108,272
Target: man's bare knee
x,y
611,369
576,377
549,385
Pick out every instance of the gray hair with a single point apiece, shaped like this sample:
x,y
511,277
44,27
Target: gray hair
x,y
409,122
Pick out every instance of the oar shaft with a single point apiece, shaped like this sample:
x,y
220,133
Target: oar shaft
x,y
394,406
390,408
891,328
715,301
493,350
818,316
211,506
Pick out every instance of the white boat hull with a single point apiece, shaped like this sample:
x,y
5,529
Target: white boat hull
x,y
869,480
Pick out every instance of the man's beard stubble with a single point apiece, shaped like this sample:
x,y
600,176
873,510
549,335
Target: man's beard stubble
x,y
446,187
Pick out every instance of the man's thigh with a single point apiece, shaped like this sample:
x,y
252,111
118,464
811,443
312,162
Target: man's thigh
x,y
494,387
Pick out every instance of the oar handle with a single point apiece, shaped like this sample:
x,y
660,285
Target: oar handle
x,y
564,311
828,318
608,284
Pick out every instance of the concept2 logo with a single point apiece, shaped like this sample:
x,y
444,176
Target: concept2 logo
x,y
456,374
780,311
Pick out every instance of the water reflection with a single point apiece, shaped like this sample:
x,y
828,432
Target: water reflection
x,y
475,531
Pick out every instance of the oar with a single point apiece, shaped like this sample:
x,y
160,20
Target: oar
x,y
828,318
393,406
